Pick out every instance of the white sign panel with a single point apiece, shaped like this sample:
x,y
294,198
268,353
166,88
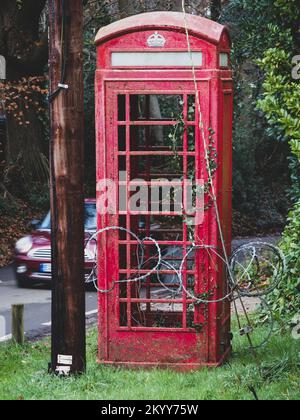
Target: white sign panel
x,y
157,59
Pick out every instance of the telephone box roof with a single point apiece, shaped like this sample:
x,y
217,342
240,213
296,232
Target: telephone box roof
x,y
198,26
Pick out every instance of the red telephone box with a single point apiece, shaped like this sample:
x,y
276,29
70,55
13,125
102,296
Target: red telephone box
x,y
149,131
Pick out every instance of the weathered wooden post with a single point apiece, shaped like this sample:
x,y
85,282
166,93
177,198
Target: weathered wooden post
x,y
67,197
18,324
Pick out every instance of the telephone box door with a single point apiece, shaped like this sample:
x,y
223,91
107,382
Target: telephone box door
x,y
152,148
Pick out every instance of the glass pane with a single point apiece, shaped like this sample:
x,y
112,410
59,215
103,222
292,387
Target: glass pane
x,y
121,107
122,138
147,138
224,59
157,315
123,256
191,107
156,167
123,314
122,163
156,107
167,228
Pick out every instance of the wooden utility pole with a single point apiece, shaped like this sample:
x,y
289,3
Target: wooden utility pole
x,y
67,198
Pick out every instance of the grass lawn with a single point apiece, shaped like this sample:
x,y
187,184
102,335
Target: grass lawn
x,y
274,374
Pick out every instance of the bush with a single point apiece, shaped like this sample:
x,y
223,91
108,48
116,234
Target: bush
x,y
285,301
280,104
260,171
267,33
38,197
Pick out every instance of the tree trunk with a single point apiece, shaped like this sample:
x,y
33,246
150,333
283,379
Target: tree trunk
x,y
26,54
216,8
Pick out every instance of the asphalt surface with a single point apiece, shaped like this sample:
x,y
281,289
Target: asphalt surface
x,y
37,301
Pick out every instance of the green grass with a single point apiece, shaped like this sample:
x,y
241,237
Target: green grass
x,y
275,375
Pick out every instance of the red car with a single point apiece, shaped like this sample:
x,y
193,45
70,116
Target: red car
x,y
32,258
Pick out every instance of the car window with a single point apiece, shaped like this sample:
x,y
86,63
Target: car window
x,y
90,222
90,218
46,224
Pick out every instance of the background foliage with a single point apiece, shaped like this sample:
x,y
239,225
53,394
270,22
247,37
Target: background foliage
x,y
280,103
266,33
261,174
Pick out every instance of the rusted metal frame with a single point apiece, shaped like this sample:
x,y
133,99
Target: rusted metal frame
x,y
153,122
159,330
175,301
157,153
199,175
162,243
185,230
152,213
218,102
159,286
211,226
132,271
117,143
148,178
102,171
167,176
141,75
157,230
155,149
163,230
169,285
128,216
153,183
179,259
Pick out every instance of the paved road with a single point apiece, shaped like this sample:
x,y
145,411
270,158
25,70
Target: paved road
x,y
38,300
272,239
37,306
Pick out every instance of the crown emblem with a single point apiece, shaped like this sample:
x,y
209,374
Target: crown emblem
x,y
156,40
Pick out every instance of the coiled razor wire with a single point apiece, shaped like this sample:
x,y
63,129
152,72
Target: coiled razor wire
x,y
92,278
261,266
255,271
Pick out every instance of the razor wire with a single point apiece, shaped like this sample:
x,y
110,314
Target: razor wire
x,y
245,260
91,278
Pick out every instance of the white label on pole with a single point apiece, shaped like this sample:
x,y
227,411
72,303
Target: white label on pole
x,y
63,370
64,360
